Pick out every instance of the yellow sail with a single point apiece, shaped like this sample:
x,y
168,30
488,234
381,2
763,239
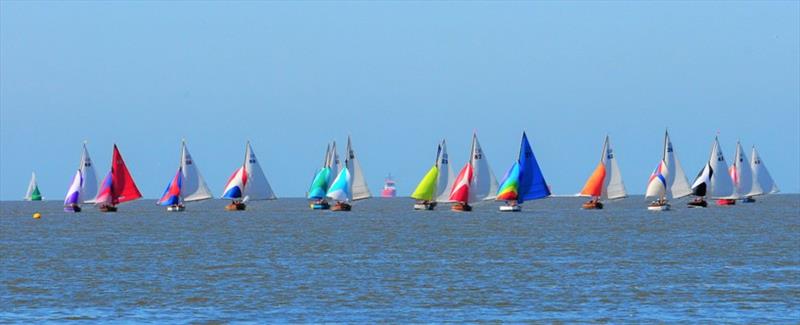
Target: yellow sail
x,y
426,190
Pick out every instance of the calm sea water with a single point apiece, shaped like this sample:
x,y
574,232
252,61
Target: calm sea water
x,y
281,262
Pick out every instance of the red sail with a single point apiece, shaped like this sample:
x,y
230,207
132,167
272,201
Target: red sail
x,y
123,187
460,192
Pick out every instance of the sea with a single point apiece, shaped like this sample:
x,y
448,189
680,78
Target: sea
x,y
280,262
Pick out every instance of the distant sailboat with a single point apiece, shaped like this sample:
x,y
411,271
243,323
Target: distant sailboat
x,y
117,187
762,181
33,194
83,188
321,181
248,183
350,184
187,185
475,181
435,185
712,180
605,183
668,180
524,181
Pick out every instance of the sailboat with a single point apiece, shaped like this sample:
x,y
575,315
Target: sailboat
x,y
712,179
349,184
33,194
187,185
319,184
117,187
741,175
524,181
668,180
475,181
436,184
605,183
247,183
83,186
762,181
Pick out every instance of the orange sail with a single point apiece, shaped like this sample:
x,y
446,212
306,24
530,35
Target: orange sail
x,y
594,185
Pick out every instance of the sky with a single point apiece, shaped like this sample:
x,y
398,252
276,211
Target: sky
x,y
398,77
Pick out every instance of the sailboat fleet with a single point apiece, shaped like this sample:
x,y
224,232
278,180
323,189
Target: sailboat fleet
x,y
338,184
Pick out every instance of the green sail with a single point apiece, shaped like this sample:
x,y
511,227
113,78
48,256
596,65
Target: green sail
x,y
35,195
426,190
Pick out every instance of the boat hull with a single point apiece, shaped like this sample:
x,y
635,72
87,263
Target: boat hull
x,y
697,204
425,206
726,202
658,207
510,208
319,205
748,200
341,206
461,207
236,207
176,208
107,208
592,205
72,208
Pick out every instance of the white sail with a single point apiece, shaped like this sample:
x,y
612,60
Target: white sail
x,y
358,187
444,183
89,187
613,188
333,163
257,187
31,187
740,172
657,185
484,184
721,185
74,188
194,187
677,183
762,180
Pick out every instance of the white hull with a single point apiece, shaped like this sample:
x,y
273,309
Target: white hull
x,y
664,207
420,206
173,208
510,208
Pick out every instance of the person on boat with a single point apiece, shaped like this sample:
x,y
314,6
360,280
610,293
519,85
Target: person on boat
x,y
511,203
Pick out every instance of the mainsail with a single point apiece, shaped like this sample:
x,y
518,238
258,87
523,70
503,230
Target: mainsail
x,y
194,185
248,182
118,186
88,190
668,179
444,181
741,174
483,183
358,186
712,180
606,180
762,181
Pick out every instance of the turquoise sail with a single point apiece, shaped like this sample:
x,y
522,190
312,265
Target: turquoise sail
x,y
319,185
532,185
340,189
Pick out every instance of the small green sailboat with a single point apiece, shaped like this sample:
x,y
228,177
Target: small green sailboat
x,y
33,193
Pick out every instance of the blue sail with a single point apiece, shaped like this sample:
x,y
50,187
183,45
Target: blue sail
x,y
532,185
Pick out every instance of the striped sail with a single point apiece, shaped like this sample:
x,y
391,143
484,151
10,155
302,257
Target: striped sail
x,y
657,185
509,187
234,188
172,194
762,180
461,186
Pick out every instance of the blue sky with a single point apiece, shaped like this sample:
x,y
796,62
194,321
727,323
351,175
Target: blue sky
x,y
398,77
